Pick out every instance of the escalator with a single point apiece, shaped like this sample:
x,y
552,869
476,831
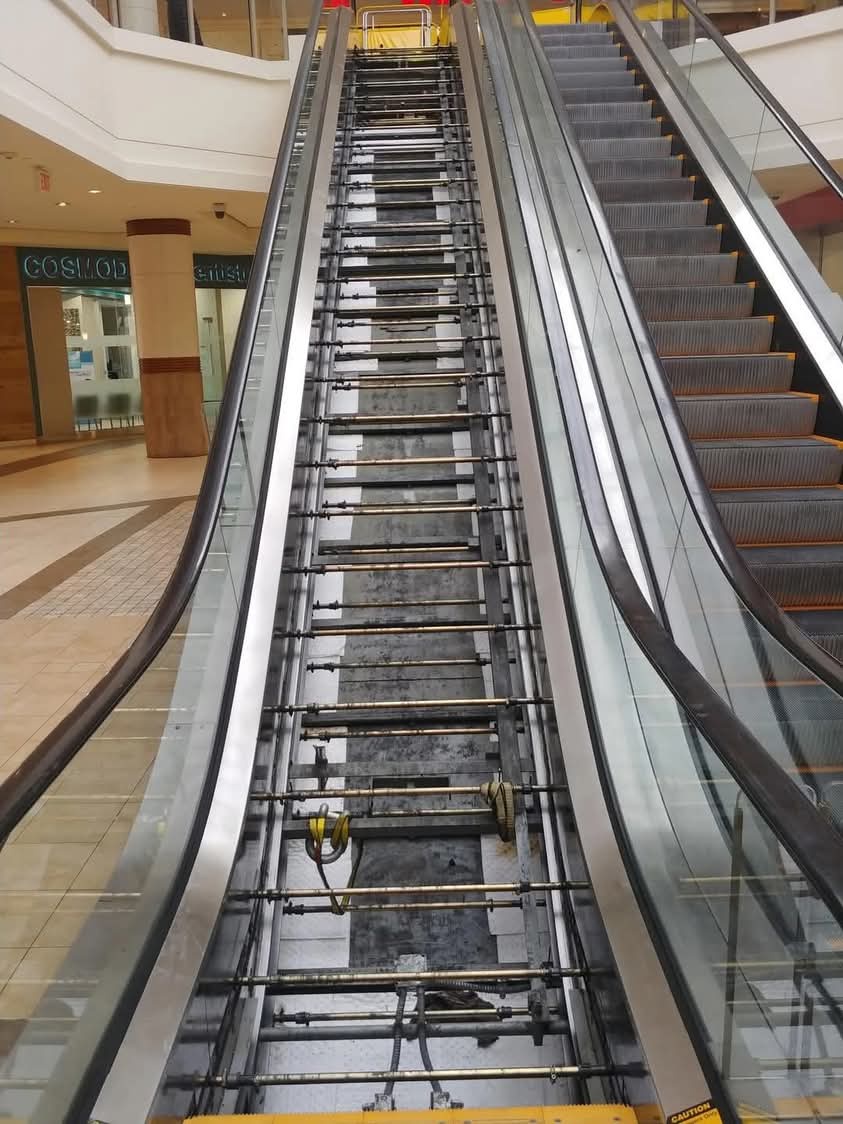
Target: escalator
x,y
730,354
435,813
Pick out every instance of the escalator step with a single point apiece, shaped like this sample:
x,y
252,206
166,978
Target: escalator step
x,y
593,51
748,415
799,577
599,130
713,337
824,626
562,64
635,168
696,302
679,190
723,374
575,93
678,241
698,270
635,216
783,515
783,462
615,148
610,111
598,80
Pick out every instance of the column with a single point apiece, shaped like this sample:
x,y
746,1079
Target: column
x,y
55,399
17,411
164,301
140,15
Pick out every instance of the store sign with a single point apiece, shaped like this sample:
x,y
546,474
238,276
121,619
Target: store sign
x,y
221,271
101,268
74,267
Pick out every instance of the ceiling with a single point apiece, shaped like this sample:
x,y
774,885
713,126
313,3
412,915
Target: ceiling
x,y
100,220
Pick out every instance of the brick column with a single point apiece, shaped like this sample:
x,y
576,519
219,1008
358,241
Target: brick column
x,y
163,297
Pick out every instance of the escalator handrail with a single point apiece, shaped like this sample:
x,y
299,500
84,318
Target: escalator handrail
x,y
812,841
796,134
30,780
731,561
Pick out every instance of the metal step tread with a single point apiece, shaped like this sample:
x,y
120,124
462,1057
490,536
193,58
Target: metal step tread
x,y
636,167
827,495
748,335
819,622
768,462
661,213
704,270
611,111
672,189
729,374
696,302
675,241
739,416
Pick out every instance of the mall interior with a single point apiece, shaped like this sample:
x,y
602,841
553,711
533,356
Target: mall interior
x,y
421,561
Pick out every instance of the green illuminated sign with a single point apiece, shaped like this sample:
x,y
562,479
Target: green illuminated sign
x,y
101,268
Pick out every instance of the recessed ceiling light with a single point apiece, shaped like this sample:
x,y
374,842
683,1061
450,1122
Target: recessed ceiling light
x,y
62,204
11,222
95,191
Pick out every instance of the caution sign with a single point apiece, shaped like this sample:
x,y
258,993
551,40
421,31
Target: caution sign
x,y
702,1113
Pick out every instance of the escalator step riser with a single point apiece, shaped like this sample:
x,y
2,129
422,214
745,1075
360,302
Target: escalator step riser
x,y
634,216
720,374
621,148
702,269
610,111
696,302
801,519
601,81
605,130
734,415
678,190
632,168
770,466
800,583
574,94
593,51
715,337
680,242
609,94
586,63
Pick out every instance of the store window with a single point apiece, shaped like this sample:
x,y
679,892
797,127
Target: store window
x,y
81,330
102,358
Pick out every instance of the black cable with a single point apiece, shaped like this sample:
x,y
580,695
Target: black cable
x,y
397,1038
422,1033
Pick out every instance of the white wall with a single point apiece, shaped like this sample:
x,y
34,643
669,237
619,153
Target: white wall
x,y
143,107
799,61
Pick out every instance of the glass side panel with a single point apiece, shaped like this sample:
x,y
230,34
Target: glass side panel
x,y
760,957
84,875
789,194
794,716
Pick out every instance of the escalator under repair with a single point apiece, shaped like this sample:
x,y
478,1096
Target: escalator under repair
x,y
764,427
408,850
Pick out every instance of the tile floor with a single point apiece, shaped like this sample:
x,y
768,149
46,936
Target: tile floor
x,y
87,543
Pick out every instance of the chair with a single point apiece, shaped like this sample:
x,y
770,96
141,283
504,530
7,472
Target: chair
x,y
119,407
86,410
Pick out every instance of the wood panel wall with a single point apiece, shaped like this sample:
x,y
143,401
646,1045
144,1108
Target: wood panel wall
x,y
17,411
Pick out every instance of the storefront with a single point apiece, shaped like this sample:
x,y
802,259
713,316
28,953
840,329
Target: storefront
x,y
81,334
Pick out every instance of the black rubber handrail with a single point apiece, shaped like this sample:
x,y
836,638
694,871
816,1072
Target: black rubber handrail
x,y
732,563
797,135
30,780
812,841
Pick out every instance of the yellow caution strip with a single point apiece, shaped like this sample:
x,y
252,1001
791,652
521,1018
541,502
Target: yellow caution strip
x,y
532,1114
